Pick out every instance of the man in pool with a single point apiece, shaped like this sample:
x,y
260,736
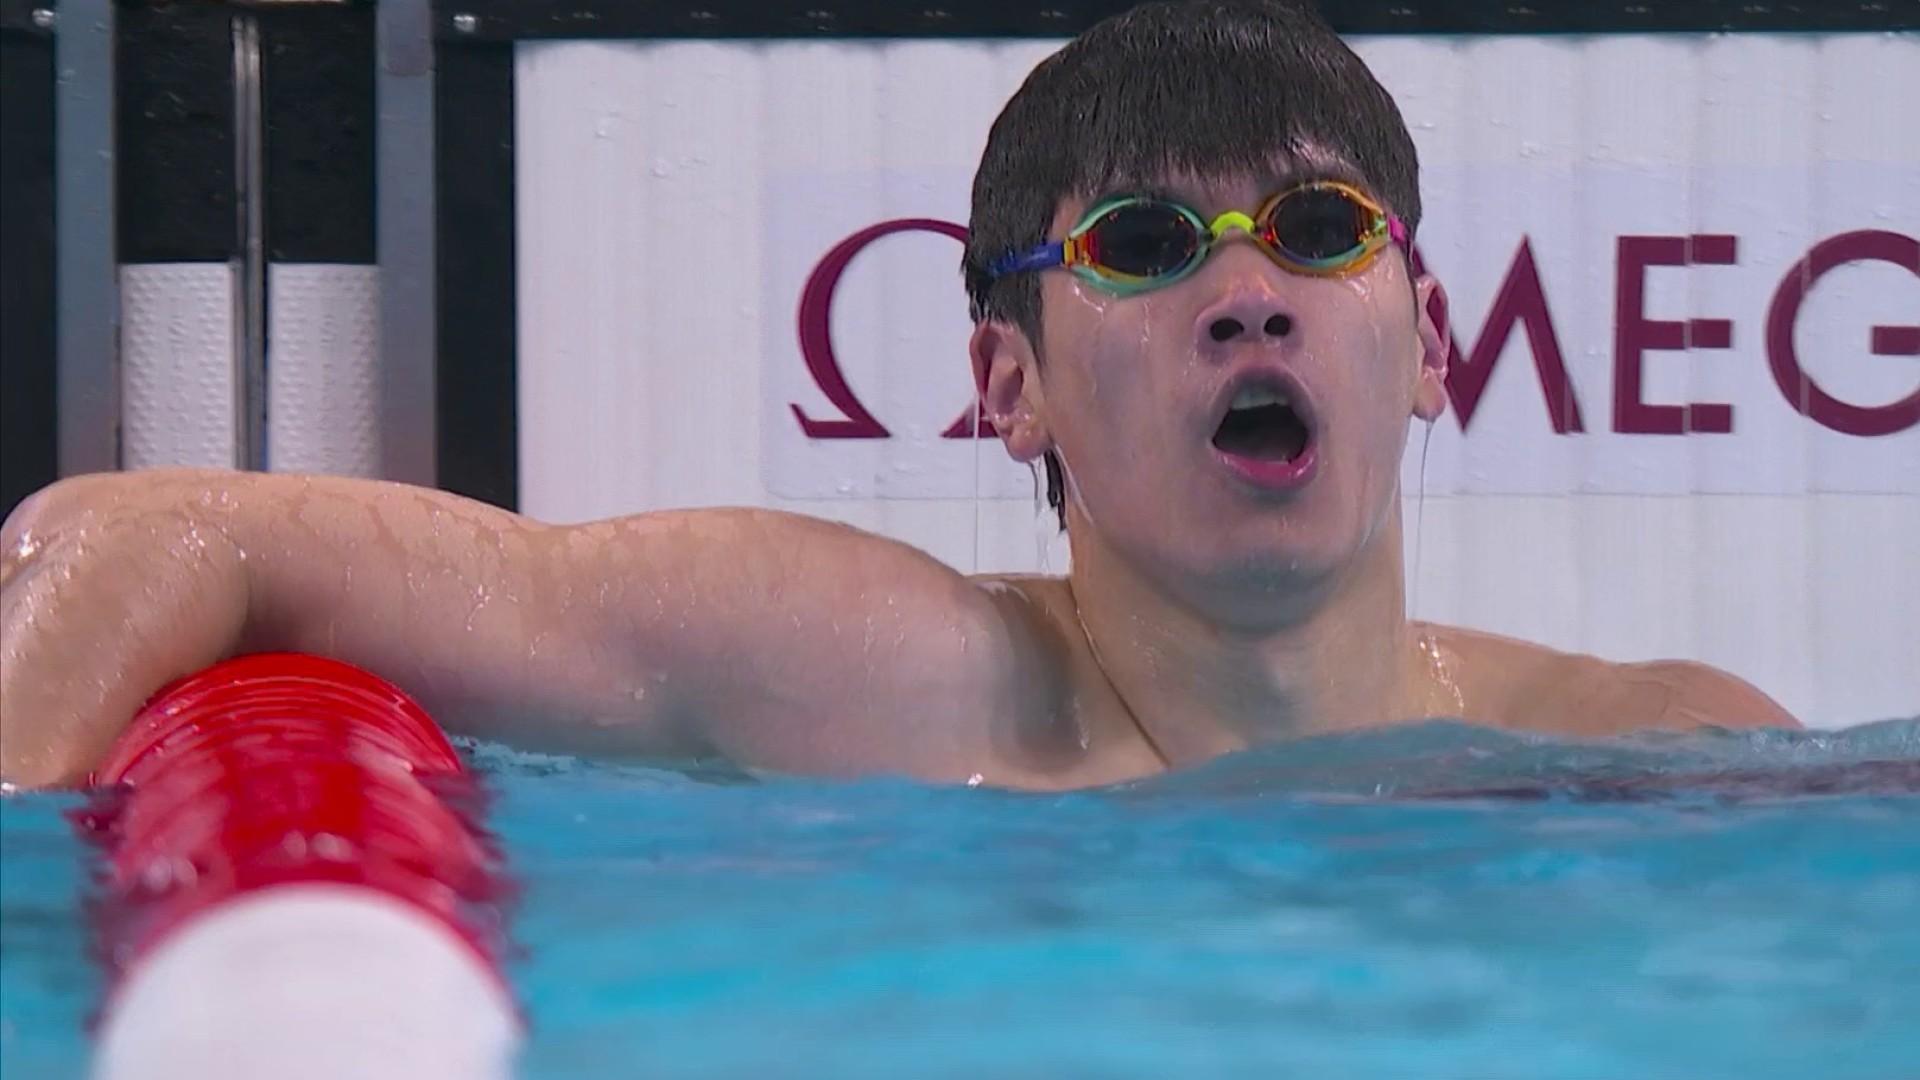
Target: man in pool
x,y
1193,307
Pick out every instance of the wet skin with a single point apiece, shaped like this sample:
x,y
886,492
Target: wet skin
x,y
1205,612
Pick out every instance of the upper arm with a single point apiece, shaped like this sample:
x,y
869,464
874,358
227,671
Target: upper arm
x,y
794,643
767,638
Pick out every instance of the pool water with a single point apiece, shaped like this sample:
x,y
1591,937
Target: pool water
x,y
1437,901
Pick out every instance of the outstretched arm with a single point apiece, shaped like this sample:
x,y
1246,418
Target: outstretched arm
x,y
771,638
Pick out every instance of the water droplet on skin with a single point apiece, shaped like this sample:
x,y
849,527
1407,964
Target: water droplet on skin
x,y
480,598
1442,676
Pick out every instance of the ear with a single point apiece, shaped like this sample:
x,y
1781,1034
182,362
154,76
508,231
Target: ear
x,y
1436,347
1006,371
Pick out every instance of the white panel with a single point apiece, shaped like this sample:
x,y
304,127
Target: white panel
x,y
647,218
675,199
322,369
176,357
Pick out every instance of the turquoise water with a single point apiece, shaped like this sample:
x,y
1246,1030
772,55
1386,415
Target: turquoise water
x,y
1432,902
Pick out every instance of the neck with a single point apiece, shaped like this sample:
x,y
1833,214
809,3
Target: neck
x,y
1332,656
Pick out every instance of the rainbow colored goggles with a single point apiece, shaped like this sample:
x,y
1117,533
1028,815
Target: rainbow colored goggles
x,y
1135,243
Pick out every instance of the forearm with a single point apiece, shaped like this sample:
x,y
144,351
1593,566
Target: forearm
x,y
115,584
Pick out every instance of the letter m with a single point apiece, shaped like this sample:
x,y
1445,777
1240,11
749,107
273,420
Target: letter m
x,y
1520,300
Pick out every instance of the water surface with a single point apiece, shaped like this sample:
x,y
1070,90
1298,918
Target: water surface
x,y
1436,901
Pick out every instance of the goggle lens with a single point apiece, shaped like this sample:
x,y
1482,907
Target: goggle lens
x,y
1142,240
1320,225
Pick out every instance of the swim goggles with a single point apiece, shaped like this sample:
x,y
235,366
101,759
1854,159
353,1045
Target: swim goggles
x,y
1135,243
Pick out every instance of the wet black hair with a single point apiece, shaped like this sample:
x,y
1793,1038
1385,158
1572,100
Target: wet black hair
x,y
1209,88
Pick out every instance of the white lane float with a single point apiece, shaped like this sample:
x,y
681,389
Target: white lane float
x,y
294,887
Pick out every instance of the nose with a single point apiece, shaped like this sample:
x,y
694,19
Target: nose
x,y
1246,315
1249,305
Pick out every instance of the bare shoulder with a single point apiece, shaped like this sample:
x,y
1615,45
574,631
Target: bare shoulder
x,y
1701,695
1508,682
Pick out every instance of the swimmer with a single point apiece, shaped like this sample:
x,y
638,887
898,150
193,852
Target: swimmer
x,y
1205,211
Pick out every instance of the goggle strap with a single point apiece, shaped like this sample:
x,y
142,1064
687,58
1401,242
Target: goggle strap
x,y
1044,257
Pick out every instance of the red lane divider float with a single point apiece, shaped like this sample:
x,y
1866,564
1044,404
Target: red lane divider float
x,y
278,827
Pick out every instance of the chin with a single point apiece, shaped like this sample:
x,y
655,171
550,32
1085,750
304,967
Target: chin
x,y
1240,578
1298,548
1220,545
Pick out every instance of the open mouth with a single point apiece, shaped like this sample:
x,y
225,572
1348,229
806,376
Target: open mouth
x,y
1268,434
1262,425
